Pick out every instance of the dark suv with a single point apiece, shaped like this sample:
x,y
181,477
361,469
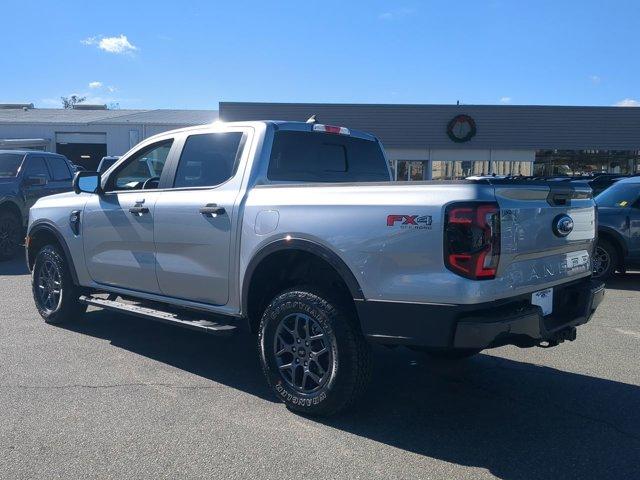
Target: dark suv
x,y
618,228
25,176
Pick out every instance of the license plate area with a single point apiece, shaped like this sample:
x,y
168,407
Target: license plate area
x,y
543,299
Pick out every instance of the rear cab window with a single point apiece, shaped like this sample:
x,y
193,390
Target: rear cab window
x,y
300,156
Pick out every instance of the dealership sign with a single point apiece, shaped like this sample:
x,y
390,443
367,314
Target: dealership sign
x,y
461,128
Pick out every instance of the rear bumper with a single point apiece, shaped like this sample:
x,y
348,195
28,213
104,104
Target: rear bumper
x,y
512,321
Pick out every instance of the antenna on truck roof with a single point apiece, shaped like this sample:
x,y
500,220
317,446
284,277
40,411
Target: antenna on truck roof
x,y
312,119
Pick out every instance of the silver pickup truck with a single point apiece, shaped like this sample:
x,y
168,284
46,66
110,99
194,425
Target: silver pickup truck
x,y
295,231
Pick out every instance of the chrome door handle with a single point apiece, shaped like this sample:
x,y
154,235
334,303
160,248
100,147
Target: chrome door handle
x,y
139,210
212,210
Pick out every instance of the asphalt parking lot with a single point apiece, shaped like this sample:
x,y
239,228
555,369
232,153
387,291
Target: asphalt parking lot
x,y
122,397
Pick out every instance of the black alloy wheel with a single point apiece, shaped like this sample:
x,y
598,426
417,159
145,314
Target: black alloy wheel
x,y
48,286
303,352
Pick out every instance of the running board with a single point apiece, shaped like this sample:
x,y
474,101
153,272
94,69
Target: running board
x,y
213,327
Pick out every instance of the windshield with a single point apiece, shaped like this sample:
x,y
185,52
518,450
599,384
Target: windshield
x,y
619,195
10,164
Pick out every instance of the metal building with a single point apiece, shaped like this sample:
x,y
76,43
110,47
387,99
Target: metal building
x,y
88,132
455,141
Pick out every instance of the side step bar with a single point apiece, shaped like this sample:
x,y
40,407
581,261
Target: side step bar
x,y
210,326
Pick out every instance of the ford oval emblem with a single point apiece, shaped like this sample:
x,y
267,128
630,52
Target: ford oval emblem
x,y
562,225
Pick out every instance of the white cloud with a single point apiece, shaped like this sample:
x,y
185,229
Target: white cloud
x,y
112,89
505,99
95,84
395,14
628,102
117,45
595,79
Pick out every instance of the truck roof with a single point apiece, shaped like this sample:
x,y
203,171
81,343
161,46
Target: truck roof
x,y
278,125
24,152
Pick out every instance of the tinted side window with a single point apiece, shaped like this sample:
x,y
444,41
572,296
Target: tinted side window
x,y
59,168
142,166
323,157
208,159
37,167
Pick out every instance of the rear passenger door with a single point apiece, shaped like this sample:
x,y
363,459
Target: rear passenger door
x,y
194,219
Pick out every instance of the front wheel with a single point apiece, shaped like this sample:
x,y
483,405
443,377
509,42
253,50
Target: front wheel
x,y
55,295
313,355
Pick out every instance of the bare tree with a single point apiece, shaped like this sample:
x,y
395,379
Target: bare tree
x,y
70,101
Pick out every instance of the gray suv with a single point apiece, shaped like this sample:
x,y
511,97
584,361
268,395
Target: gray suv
x,y
26,176
295,232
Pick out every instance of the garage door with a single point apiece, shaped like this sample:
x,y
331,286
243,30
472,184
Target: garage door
x,y
83,149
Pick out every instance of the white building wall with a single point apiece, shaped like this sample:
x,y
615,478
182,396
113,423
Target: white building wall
x,y
118,137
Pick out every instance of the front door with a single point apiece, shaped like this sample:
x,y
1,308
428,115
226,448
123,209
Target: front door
x,y
117,226
35,180
194,220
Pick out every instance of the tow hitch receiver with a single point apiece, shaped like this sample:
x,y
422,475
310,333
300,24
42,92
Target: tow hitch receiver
x,y
568,334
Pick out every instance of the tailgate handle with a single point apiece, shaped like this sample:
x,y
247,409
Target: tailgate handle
x,y
559,199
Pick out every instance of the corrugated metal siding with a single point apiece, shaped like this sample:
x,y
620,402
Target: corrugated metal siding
x,y
510,127
110,117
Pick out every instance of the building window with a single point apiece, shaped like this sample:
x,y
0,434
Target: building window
x,y
458,169
410,170
586,162
513,169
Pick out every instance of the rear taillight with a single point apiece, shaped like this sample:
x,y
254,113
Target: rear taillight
x,y
472,239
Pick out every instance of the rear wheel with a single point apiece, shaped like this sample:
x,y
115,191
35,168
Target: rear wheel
x,y
605,259
10,235
55,295
313,355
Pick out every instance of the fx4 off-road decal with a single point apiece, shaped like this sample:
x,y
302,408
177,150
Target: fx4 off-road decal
x,y
418,222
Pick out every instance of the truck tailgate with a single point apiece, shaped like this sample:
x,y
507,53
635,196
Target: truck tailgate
x,y
547,234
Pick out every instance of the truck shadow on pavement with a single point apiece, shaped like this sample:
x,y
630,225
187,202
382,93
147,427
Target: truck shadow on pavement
x,y
515,419
15,266
629,281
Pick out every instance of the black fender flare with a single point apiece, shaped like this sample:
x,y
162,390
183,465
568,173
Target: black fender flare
x,y
45,225
306,245
618,238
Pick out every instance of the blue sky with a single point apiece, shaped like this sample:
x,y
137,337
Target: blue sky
x,y
187,54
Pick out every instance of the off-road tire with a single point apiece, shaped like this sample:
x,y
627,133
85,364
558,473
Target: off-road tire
x,y
11,235
64,307
350,367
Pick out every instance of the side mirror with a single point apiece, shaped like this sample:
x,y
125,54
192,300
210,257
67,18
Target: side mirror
x,y
35,180
88,182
